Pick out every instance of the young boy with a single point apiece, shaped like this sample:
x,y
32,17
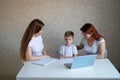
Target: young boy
x,y
68,50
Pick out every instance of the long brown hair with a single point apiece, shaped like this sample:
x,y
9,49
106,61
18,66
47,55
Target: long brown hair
x,y
34,27
90,29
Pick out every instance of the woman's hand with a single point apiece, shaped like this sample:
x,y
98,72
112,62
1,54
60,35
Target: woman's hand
x,y
44,56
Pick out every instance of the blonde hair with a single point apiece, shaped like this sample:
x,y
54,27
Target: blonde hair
x,y
69,34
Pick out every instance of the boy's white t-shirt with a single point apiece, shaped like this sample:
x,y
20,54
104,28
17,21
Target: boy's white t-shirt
x,y
91,49
36,44
68,50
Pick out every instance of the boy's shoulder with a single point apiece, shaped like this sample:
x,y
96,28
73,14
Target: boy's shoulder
x,y
73,45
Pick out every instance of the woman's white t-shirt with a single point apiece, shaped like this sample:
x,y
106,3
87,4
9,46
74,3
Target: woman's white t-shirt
x,y
91,49
36,44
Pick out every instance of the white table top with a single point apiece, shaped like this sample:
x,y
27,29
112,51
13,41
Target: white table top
x,y
102,69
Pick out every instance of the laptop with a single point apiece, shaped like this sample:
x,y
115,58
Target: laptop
x,y
81,61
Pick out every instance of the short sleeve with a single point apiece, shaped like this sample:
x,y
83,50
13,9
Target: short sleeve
x,y
30,44
61,50
101,40
75,50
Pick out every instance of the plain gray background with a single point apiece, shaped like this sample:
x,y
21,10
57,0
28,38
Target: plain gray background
x,y
58,16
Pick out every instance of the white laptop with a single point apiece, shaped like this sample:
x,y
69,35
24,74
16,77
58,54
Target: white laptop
x,y
81,61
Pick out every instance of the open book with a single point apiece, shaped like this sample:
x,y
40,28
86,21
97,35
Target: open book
x,y
44,62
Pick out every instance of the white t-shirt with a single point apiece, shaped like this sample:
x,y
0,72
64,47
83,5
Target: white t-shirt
x,y
91,49
68,50
36,44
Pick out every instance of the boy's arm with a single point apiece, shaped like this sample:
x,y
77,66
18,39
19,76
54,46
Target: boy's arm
x,y
64,56
75,52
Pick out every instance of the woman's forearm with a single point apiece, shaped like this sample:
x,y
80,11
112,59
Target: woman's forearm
x,y
32,58
100,56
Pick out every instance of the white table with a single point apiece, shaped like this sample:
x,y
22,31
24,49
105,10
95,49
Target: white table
x,y
101,70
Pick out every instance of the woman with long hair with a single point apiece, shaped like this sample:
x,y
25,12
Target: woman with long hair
x,y
32,47
92,42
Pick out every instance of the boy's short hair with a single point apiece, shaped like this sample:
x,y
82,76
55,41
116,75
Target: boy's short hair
x,y
69,34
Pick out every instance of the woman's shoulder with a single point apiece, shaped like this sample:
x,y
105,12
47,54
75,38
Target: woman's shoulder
x,y
37,38
34,39
101,40
73,46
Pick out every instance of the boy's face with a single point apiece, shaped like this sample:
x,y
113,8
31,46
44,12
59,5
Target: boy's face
x,y
69,40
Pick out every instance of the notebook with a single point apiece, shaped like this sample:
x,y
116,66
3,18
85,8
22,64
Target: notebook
x,y
81,61
44,62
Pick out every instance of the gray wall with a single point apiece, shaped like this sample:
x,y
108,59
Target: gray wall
x,y
59,16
